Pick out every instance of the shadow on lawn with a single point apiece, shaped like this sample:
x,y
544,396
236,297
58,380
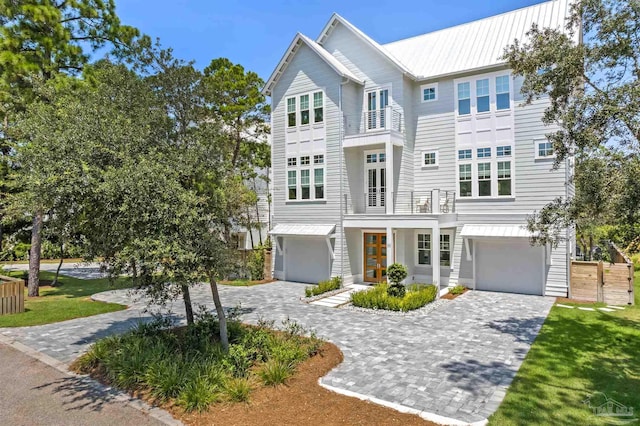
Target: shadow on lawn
x,y
574,356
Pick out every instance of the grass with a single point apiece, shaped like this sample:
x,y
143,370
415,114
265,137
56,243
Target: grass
x,y
577,354
187,366
49,261
244,282
68,301
323,287
417,296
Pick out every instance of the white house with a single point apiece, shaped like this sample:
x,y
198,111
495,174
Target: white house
x,y
418,152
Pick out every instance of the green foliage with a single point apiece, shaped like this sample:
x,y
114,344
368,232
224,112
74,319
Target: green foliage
x,y
459,289
396,272
323,287
417,296
255,264
191,368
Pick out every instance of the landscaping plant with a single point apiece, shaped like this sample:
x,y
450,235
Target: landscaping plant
x,y
459,289
417,296
396,272
323,287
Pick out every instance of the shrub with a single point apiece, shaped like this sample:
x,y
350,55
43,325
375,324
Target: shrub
x,y
237,389
275,372
396,272
198,394
378,297
255,264
324,287
459,289
165,377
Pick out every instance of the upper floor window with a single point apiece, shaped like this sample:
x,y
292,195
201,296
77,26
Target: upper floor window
x,y
292,184
318,107
305,181
544,149
305,184
429,92
292,161
465,178
503,151
464,98
304,161
319,183
502,93
504,177
291,112
430,158
464,154
484,179
483,104
484,152
304,109
318,159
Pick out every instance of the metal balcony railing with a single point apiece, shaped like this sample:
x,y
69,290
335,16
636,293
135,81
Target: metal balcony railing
x,y
404,203
372,121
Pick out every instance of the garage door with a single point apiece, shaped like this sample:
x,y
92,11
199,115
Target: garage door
x,y
306,260
511,266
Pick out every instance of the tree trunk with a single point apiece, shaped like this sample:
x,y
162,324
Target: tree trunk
x,y
224,337
188,308
34,255
258,218
55,279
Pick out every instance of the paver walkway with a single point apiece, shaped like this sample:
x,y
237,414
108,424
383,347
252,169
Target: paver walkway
x,y
341,298
456,361
33,393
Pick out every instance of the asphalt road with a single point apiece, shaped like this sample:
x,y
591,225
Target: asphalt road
x,y
33,393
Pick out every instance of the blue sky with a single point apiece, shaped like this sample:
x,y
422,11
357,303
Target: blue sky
x,y
256,33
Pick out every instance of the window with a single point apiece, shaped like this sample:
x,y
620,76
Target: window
x,y
445,249
304,109
464,98
544,149
292,184
464,154
484,179
424,249
318,107
504,177
429,93
429,158
305,184
318,159
304,161
502,93
482,95
382,157
465,180
372,158
292,161
318,175
484,152
291,112
503,151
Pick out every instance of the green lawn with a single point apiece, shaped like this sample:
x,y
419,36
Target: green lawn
x,y
70,300
577,354
243,283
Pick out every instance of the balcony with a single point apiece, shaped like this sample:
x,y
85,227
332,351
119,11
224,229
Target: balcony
x,y
432,202
374,127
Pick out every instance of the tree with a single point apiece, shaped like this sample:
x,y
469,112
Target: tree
x,y
39,40
593,90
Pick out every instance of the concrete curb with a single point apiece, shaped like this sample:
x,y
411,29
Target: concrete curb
x,y
135,403
432,417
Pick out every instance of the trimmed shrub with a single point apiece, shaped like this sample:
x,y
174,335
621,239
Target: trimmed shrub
x,y
417,296
459,289
323,287
396,272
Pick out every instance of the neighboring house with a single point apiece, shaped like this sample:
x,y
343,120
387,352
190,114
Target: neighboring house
x,y
417,152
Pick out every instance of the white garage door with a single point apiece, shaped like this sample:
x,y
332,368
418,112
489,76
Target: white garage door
x,y
510,266
306,260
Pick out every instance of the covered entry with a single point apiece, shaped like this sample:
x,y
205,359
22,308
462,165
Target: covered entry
x,y
504,261
307,251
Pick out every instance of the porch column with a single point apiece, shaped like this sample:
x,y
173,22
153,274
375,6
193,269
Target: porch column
x,y
389,178
435,258
391,252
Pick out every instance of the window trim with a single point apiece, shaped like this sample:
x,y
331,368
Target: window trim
x,y
449,232
435,165
472,81
294,112
536,149
311,109
493,160
424,87
311,168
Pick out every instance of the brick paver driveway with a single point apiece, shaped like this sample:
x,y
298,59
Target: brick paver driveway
x,y
456,361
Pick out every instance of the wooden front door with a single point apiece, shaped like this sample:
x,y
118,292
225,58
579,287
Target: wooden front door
x,y
375,257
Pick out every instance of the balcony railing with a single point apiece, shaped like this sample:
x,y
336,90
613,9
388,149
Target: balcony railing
x,y
373,121
404,203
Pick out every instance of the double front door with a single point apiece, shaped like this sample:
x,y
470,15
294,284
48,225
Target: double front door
x,y
375,257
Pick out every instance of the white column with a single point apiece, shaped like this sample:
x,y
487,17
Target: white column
x,y
391,255
389,176
435,256
435,201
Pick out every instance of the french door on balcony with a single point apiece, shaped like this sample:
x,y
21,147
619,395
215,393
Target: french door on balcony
x,y
375,257
376,180
376,101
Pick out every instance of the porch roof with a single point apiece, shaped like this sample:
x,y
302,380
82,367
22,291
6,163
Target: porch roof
x,y
491,230
302,230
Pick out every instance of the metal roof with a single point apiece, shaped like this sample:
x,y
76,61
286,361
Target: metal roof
x,y
474,45
302,230
494,231
298,40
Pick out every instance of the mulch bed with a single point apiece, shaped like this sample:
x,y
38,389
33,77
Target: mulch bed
x,y
450,296
302,401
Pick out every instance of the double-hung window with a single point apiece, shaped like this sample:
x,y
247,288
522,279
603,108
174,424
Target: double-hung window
x,y
318,107
424,249
305,177
291,112
502,93
484,179
445,249
504,178
292,183
464,98
305,185
483,104
319,183
304,109
465,177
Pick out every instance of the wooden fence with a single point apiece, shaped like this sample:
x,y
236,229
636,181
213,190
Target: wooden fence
x,y
11,295
610,283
